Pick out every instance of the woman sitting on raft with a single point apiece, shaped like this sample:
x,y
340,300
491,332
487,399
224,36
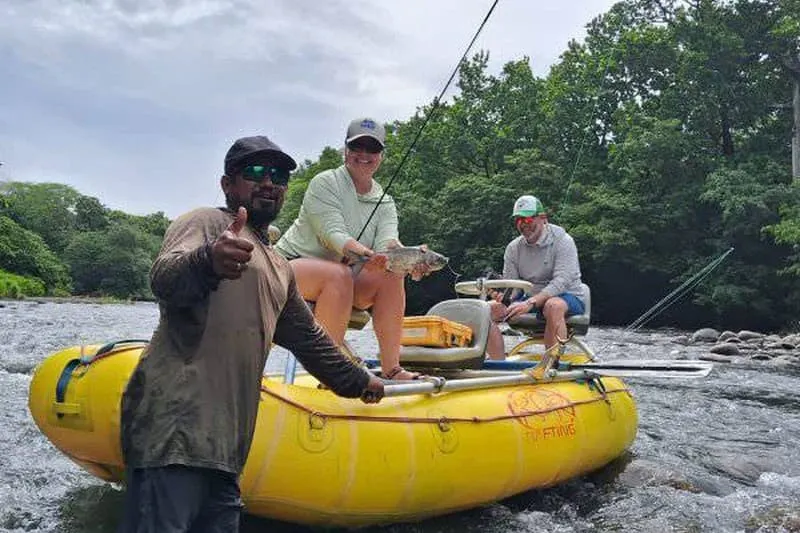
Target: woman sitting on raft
x,y
335,208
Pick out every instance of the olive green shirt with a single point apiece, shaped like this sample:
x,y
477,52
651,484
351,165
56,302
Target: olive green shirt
x,y
193,398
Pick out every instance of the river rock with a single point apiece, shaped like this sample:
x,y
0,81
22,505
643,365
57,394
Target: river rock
x,y
726,348
728,336
761,356
776,346
705,335
715,357
784,360
681,339
794,340
772,338
747,335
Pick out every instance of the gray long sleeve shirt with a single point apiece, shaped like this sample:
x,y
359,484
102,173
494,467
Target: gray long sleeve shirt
x,y
551,264
193,398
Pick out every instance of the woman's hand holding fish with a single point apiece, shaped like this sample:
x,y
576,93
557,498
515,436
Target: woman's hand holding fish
x,y
354,251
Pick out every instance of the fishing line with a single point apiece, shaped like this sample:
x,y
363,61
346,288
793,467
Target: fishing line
x,y
564,200
663,304
436,104
670,299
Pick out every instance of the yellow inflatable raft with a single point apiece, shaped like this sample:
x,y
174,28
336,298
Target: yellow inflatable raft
x,y
320,459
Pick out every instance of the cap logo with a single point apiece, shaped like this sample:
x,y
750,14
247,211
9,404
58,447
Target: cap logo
x,y
369,124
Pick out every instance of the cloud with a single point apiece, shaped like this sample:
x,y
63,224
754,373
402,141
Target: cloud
x,y
136,101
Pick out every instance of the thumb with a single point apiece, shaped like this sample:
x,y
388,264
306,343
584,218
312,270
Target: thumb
x,y
238,222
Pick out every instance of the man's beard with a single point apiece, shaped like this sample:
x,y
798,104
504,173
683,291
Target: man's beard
x,y
258,217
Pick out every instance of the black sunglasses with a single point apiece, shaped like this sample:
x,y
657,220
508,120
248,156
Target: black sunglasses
x,y
258,173
368,147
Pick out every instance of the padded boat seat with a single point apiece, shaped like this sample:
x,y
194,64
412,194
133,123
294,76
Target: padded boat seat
x,y
531,324
474,313
358,317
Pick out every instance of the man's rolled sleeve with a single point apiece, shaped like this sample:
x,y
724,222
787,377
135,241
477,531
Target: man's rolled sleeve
x,y
183,274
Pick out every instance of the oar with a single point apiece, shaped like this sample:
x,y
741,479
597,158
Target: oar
x,y
435,385
508,373
669,368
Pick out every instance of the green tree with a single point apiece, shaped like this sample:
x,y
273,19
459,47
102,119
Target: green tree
x,y
24,253
47,209
113,262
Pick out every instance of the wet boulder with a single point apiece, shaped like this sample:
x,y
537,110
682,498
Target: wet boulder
x,y
726,348
705,335
728,336
777,346
792,340
761,356
747,335
715,357
681,339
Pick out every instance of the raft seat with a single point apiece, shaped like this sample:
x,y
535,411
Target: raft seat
x,y
533,326
473,313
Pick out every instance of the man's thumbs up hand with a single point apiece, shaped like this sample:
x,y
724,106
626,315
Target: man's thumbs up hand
x,y
229,252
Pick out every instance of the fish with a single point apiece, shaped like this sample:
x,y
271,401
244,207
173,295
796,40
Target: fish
x,y
403,259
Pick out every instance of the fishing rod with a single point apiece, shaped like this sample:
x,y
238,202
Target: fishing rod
x,y
678,293
664,303
436,104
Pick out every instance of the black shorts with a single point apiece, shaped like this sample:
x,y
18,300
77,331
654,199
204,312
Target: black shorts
x,y
180,499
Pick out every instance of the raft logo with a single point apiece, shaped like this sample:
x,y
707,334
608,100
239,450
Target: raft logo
x,y
545,414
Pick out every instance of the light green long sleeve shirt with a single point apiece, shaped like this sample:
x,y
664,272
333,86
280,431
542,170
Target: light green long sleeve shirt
x,y
333,212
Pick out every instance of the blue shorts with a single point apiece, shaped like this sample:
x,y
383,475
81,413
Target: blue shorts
x,y
574,304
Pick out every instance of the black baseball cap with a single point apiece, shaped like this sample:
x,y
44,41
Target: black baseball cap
x,y
248,150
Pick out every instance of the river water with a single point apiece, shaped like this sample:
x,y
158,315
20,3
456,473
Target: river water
x,y
721,454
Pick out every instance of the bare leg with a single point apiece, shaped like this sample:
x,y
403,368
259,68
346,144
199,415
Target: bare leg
x,y
386,294
330,285
495,347
555,313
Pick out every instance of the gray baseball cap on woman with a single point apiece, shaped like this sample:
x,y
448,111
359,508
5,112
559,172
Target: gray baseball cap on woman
x,y
365,127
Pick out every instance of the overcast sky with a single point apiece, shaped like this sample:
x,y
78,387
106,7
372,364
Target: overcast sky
x,y
136,101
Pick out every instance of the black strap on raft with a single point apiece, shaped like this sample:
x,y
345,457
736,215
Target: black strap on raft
x,y
111,345
69,368
63,381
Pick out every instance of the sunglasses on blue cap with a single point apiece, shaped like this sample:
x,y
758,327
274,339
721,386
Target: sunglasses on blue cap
x,y
258,173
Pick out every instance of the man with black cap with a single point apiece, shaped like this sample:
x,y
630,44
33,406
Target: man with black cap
x,y
189,410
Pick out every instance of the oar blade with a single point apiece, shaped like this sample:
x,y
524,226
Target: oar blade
x,y
680,373
665,368
650,368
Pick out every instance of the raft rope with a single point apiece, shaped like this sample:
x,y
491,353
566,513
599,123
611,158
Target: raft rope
x,y
122,346
436,104
442,419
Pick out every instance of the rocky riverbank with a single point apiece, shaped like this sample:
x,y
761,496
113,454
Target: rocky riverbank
x,y
730,346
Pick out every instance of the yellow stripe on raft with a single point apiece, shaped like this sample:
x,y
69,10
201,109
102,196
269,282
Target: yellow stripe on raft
x,y
320,459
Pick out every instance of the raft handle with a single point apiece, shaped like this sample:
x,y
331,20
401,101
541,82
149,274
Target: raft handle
x,y
59,406
62,409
